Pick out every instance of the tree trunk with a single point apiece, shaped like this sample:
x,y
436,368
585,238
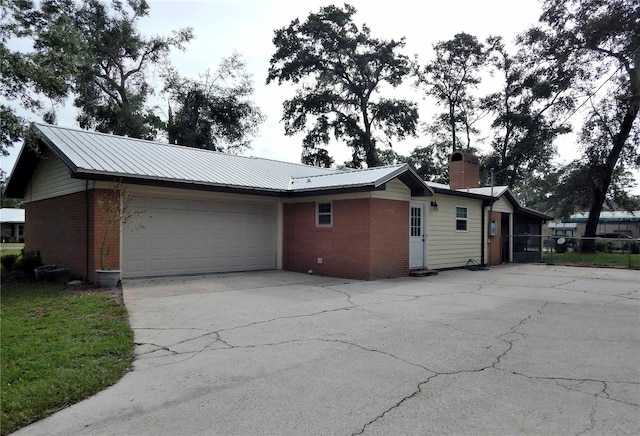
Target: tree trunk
x,y
603,181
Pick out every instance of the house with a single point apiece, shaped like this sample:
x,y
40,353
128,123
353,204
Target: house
x,y
203,211
12,221
620,222
514,232
198,211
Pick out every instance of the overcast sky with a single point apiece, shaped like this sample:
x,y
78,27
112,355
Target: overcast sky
x,y
246,26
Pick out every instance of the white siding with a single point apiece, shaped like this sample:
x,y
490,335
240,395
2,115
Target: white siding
x,y
446,247
503,205
52,178
395,190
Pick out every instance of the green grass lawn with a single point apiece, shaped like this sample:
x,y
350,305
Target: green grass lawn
x,y
596,259
58,347
11,247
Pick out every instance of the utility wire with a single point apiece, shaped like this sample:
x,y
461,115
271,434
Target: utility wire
x,y
589,96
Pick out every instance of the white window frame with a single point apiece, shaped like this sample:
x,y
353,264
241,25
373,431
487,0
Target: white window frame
x,y
465,219
329,214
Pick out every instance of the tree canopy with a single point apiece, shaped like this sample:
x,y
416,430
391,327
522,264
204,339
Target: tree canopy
x,y
215,112
527,112
450,79
597,46
94,52
339,69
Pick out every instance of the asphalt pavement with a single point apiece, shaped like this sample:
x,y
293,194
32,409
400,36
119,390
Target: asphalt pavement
x,y
517,349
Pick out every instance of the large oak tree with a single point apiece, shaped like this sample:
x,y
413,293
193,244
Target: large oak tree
x,y
339,70
597,44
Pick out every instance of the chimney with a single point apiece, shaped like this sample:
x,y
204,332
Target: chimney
x,y
464,171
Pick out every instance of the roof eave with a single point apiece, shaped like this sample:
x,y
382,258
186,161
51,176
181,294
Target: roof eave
x,y
21,173
174,183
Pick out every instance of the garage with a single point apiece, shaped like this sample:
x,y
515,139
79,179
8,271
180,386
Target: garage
x,y
171,236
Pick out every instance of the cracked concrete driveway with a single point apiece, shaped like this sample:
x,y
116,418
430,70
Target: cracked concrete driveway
x,y
519,349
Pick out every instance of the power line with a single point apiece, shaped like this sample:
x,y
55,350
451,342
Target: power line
x,y
588,96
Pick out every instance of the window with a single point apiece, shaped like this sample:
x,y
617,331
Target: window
x,y
324,215
415,225
461,219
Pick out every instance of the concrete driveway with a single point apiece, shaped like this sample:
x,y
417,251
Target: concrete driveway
x,y
519,349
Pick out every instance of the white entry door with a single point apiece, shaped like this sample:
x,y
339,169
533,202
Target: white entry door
x,y
417,239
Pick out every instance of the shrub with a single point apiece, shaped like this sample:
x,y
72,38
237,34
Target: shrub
x,y
8,261
27,262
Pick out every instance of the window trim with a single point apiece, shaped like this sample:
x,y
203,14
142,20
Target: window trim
x,y
460,219
329,214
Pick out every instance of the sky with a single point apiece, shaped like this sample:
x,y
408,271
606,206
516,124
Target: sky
x,y
247,27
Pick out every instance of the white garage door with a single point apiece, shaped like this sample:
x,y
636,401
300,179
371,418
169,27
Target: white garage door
x,y
170,236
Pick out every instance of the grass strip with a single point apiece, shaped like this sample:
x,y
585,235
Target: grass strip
x,y
597,259
58,347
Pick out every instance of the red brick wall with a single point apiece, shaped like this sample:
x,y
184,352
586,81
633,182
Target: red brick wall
x,y
368,240
464,171
57,228
389,239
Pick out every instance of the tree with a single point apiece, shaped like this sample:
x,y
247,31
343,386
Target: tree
x,y
216,112
527,113
112,86
584,178
92,50
430,163
338,69
450,78
597,43
34,80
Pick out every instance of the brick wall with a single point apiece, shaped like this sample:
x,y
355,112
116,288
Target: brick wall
x,y
57,228
464,171
368,240
389,239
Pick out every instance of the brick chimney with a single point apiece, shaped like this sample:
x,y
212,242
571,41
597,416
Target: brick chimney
x,y
464,171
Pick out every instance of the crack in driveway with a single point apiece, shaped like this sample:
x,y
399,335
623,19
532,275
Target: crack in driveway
x,y
465,371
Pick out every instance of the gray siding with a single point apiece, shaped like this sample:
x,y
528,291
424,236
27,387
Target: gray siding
x,y
52,178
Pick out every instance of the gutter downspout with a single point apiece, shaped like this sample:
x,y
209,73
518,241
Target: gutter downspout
x,y
484,231
86,200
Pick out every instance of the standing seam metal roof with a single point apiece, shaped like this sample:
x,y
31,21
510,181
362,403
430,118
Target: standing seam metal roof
x,y
92,154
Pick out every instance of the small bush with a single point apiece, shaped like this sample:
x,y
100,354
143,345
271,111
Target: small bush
x,y
635,248
8,261
27,262
601,247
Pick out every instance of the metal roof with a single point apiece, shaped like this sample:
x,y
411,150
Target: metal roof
x,y
89,154
498,191
11,215
92,155
615,216
369,177
558,225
